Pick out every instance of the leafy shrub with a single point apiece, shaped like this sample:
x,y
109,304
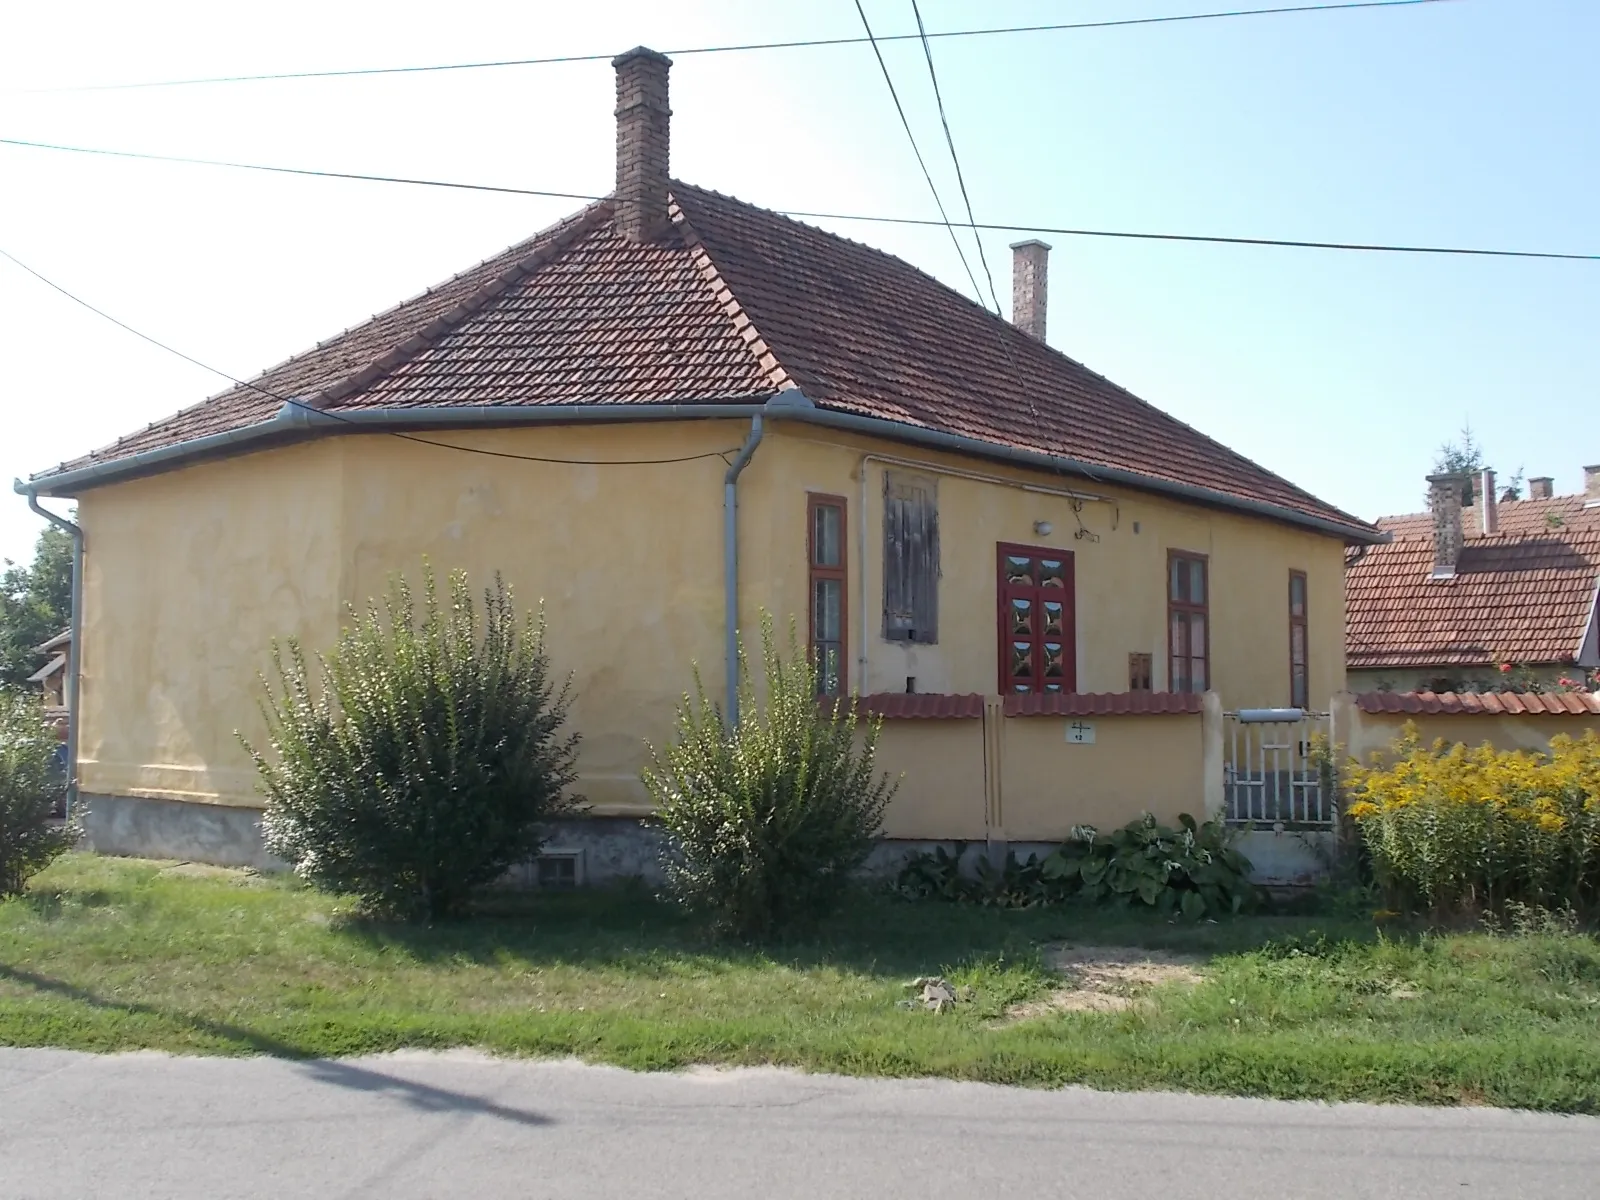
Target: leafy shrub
x,y
1191,871
766,822
423,767
30,785
1453,829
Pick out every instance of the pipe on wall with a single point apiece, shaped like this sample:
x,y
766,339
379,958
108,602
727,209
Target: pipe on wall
x,y
74,647
730,566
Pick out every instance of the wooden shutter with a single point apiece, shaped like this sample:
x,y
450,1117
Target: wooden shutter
x,y
910,558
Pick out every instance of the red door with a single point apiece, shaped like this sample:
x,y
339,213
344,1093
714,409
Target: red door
x,y
1038,643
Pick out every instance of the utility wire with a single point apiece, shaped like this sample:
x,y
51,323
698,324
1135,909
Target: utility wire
x,y
949,140
300,404
794,45
836,216
955,241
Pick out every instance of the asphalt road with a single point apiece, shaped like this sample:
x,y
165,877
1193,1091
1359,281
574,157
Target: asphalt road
x,y
462,1125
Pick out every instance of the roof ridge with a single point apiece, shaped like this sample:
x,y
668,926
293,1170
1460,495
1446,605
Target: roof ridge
x,y
760,349
549,244
1020,340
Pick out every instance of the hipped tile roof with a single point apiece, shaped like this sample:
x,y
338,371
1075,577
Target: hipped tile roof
x,y
734,303
1523,595
1560,704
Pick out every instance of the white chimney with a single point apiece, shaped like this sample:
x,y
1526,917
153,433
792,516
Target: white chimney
x,y
1030,277
644,124
1489,505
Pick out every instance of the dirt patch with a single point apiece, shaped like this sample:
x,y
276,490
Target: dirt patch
x,y
243,876
1107,978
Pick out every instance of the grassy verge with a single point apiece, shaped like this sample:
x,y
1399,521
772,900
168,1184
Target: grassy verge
x,y
116,954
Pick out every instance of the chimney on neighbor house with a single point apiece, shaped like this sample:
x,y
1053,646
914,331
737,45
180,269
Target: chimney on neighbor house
x,y
1591,487
1488,504
644,124
1541,487
1030,278
1445,493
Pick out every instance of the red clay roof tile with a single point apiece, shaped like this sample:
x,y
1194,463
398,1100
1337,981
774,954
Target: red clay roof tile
x,y
734,303
1102,704
895,706
1525,595
1574,704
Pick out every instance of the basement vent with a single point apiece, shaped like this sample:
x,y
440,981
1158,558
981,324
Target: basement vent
x,y
558,870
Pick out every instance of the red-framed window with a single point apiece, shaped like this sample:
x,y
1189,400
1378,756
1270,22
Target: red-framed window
x,y
1188,622
825,551
1299,671
1037,623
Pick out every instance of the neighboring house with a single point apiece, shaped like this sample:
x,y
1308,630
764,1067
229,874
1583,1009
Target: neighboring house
x,y
1465,591
52,677
686,410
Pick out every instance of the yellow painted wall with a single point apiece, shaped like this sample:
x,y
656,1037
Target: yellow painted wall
x,y
1137,764
1376,732
191,574
940,768
1120,579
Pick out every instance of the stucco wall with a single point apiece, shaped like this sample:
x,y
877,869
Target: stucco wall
x,y
189,576
940,767
1376,732
1120,579
1136,764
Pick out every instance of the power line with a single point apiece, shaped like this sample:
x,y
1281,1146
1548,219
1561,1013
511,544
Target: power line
x,y
300,404
955,241
949,140
808,43
1304,244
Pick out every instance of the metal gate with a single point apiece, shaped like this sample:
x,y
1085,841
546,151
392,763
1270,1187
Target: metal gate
x,y
1271,773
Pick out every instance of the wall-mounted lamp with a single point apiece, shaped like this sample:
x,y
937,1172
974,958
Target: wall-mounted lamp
x,y
1043,528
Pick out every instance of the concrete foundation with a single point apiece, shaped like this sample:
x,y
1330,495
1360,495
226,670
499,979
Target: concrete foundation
x,y
209,833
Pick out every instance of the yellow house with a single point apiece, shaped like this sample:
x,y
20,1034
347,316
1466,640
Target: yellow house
x,y
660,417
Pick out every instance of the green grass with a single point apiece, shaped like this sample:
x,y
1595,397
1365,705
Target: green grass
x,y
111,954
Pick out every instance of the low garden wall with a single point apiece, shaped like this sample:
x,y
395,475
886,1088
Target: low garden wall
x,y
1504,720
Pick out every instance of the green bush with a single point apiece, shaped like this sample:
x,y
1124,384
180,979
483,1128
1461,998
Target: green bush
x,y
423,766
30,785
766,822
1191,871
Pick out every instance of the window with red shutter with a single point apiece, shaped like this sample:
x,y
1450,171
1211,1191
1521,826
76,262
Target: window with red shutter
x,y
1037,623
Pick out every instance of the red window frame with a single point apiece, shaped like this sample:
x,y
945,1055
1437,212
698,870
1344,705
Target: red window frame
x,y
816,572
1037,593
1299,655
1182,609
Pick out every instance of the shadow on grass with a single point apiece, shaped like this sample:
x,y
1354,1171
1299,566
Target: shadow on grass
x,y
338,1073
874,933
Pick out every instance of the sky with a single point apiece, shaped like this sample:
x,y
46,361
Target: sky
x,y
1470,123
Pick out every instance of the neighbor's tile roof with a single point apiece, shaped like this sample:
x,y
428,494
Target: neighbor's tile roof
x,y
1560,704
735,303
1523,595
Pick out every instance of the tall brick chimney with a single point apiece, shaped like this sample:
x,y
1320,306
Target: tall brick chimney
x,y
1445,493
1591,487
1541,487
644,123
1488,504
1030,277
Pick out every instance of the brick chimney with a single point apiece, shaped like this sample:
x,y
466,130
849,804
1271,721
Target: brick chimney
x,y
1445,493
1488,504
1591,487
644,124
1541,487
1030,277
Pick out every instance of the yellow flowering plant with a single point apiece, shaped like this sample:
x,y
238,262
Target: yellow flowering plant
x,y
1453,828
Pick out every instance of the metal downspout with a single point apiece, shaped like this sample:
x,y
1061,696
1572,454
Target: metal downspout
x,y
74,647
730,566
